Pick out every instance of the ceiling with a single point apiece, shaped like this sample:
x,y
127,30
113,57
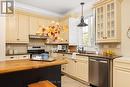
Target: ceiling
x,y
57,6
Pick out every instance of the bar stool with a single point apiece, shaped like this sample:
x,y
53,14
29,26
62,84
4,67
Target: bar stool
x,y
42,84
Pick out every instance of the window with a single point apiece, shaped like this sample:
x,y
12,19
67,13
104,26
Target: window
x,y
88,32
85,34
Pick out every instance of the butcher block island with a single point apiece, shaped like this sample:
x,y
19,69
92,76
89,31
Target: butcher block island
x,y
20,73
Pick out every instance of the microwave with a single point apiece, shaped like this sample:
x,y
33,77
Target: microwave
x,y
62,48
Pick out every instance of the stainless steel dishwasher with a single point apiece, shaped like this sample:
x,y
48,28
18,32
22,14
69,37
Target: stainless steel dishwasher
x,y
100,72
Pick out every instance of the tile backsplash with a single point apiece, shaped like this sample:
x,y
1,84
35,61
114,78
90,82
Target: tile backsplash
x,y
16,48
115,47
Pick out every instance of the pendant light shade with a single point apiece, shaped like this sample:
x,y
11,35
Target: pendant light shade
x,y
82,23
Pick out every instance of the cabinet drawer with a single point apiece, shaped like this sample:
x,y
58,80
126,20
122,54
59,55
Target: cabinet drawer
x,y
82,58
121,64
11,57
24,56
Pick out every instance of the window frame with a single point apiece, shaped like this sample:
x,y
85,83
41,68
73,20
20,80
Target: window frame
x,y
91,32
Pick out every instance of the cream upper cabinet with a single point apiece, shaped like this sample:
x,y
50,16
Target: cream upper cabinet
x,y
100,25
121,74
17,29
70,32
33,25
108,21
12,29
73,31
23,28
36,23
44,22
65,33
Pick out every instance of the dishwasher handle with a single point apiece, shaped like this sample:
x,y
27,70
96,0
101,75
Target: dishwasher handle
x,y
93,60
101,61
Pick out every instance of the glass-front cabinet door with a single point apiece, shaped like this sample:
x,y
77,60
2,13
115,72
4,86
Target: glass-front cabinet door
x,y
100,25
110,21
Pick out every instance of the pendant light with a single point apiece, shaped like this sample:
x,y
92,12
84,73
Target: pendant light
x,y
82,23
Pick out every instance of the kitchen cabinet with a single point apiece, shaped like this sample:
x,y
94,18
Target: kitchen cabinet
x,y
70,33
108,21
17,57
23,28
36,23
17,29
73,31
2,37
82,68
71,67
12,29
121,74
24,56
44,22
33,25
77,67
65,33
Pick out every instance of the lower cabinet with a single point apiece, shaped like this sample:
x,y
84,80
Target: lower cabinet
x,y
121,74
17,57
77,68
71,67
82,70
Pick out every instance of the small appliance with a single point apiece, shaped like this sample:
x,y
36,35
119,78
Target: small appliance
x,y
62,48
38,53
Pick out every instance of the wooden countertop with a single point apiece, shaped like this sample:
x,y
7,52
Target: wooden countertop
x,y
18,65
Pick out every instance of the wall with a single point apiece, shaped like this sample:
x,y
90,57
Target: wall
x,y
125,45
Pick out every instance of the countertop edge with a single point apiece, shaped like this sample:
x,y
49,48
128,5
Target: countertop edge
x,y
9,69
93,55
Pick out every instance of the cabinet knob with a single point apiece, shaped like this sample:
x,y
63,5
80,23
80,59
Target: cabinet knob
x,y
11,57
75,61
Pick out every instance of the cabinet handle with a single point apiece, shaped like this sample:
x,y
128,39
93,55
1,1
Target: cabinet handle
x,y
75,61
11,57
24,56
18,39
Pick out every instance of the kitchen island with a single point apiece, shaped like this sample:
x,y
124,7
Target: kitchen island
x,y
20,73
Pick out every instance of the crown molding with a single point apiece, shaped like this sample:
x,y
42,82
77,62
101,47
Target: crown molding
x,y
30,8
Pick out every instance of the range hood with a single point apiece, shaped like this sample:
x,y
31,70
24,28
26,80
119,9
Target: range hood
x,y
37,37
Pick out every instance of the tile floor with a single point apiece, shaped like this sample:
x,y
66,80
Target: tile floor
x,y
69,82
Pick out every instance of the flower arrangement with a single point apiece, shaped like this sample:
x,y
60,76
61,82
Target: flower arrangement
x,y
52,31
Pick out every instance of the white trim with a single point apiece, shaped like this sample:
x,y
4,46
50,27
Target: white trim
x,y
35,9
